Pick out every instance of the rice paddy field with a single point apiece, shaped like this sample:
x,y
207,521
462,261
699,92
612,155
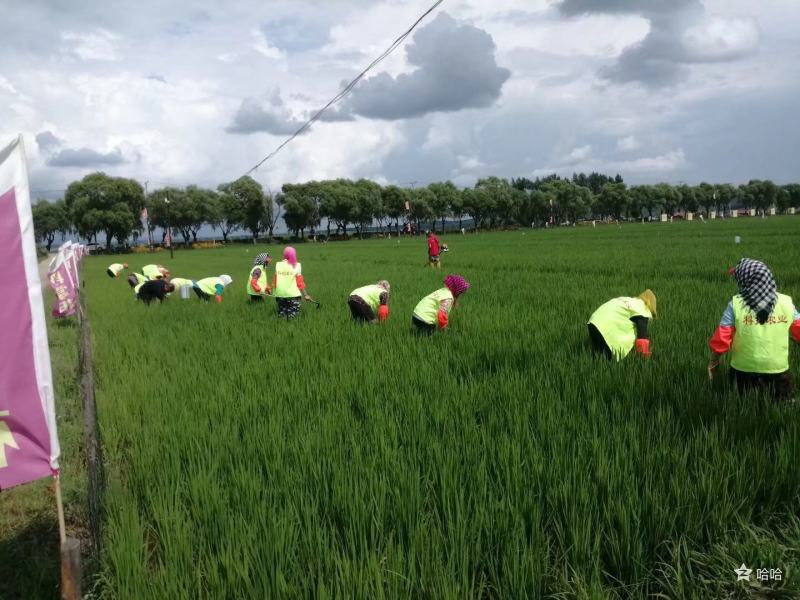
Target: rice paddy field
x,y
253,457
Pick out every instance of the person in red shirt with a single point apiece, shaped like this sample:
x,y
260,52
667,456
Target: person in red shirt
x,y
433,251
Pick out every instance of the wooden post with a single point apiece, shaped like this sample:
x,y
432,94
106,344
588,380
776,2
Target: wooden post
x,y
71,569
70,553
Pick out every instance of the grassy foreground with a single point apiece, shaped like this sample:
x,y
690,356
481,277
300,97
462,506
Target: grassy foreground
x,y
252,457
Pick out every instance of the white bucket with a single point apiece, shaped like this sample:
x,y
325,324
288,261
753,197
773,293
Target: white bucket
x,y
737,240
185,292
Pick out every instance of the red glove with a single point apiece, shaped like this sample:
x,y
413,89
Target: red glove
x,y
442,318
643,348
383,312
218,298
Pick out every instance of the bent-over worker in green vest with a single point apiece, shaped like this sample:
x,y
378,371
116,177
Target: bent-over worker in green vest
x,y
180,282
755,328
135,280
620,325
257,286
153,272
115,269
212,287
371,302
288,284
434,309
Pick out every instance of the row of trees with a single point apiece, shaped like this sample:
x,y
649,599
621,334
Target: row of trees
x,y
99,204
496,202
114,206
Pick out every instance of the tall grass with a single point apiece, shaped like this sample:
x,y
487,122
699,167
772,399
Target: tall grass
x,y
254,457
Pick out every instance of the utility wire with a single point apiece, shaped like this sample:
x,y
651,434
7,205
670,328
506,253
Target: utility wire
x,y
346,90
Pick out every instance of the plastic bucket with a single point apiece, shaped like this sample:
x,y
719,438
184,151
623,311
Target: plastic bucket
x,y
186,290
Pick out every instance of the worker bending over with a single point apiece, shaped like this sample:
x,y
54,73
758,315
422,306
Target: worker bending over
x,y
156,289
212,287
620,325
434,309
115,269
371,302
153,272
755,328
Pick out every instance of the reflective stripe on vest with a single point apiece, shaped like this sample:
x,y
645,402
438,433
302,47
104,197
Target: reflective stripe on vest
x,y
262,281
151,272
762,348
286,280
371,294
613,321
427,310
209,285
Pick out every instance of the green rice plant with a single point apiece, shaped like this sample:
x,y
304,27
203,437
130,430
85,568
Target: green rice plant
x,y
250,457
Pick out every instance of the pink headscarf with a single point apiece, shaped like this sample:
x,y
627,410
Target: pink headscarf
x,y
290,254
456,284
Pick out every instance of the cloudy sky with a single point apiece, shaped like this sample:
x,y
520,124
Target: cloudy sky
x,y
200,91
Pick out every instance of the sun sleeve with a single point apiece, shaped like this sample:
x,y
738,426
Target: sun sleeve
x,y
722,339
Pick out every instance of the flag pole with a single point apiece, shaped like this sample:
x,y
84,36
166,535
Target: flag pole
x,y
62,528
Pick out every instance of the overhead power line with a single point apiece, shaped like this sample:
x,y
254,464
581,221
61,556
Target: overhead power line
x,y
346,90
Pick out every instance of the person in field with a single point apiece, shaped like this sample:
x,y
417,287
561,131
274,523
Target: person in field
x,y
135,280
755,329
620,325
433,311
212,287
153,272
257,286
433,250
115,269
180,282
157,289
288,285
371,302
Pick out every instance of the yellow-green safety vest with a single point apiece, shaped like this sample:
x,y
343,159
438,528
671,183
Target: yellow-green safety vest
x,y
179,282
141,279
762,348
427,310
116,268
613,321
209,285
151,272
371,294
286,280
262,281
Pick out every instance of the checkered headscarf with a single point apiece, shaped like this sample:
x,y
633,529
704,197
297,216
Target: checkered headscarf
x,y
757,287
262,259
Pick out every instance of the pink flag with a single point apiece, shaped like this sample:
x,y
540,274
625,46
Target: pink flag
x,y
28,440
63,276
